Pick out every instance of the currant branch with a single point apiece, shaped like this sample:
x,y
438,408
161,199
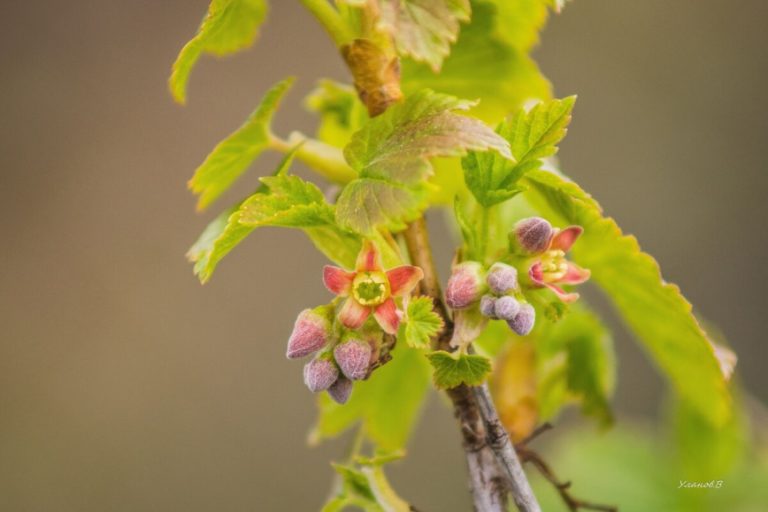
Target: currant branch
x,y
527,454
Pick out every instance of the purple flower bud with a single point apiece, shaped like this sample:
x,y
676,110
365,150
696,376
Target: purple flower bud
x,y
488,306
533,234
502,278
311,332
466,285
507,308
320,374
354,358
523,322
340,390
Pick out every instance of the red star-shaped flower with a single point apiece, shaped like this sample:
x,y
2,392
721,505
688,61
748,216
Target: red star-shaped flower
x,y
369,288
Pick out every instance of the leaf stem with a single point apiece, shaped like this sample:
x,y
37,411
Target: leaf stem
x,y
326,160
330,19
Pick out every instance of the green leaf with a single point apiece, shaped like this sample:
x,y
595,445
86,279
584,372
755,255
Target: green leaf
x,y
232,156
484,66
226,232
290,202
422,323
280,200
364,485
387,404
423,29
367,203
519,22
655,310
341,112
392,152
575,363
453,370
532,135
229,26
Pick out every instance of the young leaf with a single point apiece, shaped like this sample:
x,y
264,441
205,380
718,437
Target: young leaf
x,y
290,202
423,29
423,323
453,370
532,135
392,154
575,363
280,200
230,158
518,23
229,26
226,232
387,403
655,310
486,66
341,112
365,485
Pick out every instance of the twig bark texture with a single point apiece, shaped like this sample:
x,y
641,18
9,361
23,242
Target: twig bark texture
x,y
495,471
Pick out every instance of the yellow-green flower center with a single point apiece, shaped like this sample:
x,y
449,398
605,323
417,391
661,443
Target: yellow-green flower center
x,y
370,288
553,266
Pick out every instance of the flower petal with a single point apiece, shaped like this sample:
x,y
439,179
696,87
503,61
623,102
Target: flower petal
x,y
386,315
574,275
565,238
369,258
403,279
536,274
353,315
337,280
562,294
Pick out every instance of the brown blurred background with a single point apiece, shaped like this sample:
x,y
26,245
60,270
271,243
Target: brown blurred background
x,y
126,386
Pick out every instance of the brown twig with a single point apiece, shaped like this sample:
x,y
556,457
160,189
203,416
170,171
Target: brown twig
x,y
563,488
490,478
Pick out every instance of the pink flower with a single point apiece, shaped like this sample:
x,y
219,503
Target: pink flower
x,y
370,289
550,268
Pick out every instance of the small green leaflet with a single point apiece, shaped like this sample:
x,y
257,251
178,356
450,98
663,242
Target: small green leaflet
x,y
575,363
655,310
232,156
452,370
229,26
281,200
387,404
364,485
391,154
290,202
341,112
423,323
485,65
532,135
423,29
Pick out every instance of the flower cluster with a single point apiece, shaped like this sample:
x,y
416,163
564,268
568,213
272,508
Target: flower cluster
x,y
536,260
347,348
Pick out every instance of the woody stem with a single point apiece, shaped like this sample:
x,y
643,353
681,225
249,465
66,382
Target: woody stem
x,y
494,467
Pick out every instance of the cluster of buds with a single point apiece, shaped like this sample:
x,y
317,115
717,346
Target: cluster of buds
x,y
347,348
496,291
536,260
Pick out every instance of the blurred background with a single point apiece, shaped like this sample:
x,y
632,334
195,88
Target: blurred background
x,y
125,385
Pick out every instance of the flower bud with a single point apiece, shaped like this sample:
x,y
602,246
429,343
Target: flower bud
x,y
466,285
354,358
311,332
320,374
340,390
488,306
524,320
533,235
507,308
502,278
